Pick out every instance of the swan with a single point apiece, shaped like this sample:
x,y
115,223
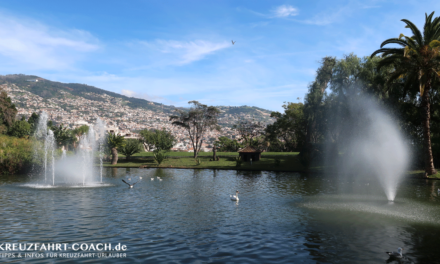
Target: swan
x,y
152,179
234,197
395,254
130,185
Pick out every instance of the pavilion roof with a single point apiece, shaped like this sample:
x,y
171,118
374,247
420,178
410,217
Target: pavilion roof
x,y
249,149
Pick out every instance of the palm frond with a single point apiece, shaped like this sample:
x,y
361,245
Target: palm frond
x,y
417,34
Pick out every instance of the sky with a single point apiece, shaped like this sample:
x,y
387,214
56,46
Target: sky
x,y
176,51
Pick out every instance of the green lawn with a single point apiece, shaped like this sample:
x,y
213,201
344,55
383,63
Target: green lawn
x,y
420,173
287,163
209,154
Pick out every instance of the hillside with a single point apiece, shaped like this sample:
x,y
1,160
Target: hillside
x,y
47,89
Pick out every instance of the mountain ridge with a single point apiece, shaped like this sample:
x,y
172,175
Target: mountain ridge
x,y
48,89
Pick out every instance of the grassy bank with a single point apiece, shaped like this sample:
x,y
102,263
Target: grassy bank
x,y
267,162
209,154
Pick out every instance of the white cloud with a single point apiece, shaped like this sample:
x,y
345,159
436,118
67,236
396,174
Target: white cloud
x,y
184,52
285,11
27,44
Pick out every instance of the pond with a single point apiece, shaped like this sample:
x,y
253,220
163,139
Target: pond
x,y
188,217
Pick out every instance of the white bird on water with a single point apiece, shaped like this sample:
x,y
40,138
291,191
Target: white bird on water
x,y
130,185
234,197
395,254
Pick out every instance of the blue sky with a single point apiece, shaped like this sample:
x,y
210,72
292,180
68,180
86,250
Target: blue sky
x,y
176,51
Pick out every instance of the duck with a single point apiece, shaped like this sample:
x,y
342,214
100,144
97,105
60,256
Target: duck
x,y
130,185
397,254
234,197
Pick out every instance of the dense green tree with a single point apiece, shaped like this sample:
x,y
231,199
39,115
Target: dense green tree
x,y
20,129
147,138
159,139
197,121
7,112
63,136
249,130
33,121
131,147
163,140
225,144
290,128
418,60
114,142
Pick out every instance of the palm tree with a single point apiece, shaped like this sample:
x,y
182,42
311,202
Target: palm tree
x,y
113,143
131,147
417,60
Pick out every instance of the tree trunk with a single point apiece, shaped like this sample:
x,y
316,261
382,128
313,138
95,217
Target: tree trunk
x,y
427,150
114,156
214,156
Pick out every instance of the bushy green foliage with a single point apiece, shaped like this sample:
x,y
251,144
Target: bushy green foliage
x,y
159,156
20,129
288,132
159,139
132,146
15,154
7,112
224,144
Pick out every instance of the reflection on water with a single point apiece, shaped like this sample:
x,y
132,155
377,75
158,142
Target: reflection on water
x,y
188,217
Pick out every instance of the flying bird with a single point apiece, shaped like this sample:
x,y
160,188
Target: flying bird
x,y
130,185
233,42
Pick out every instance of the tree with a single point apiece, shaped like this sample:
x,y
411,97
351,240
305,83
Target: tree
x,y
7,112
418,60
113,143
163,140
248,130
20,129
289,128
78,132
159,139
63,136
132,146
224,144
147,138
197,121
33,121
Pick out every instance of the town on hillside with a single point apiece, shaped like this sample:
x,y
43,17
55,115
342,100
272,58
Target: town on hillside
x,y
74,111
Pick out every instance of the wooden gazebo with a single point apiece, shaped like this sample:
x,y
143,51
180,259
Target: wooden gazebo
x,y
250,153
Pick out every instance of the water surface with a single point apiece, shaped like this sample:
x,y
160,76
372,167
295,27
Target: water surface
x,y
188,217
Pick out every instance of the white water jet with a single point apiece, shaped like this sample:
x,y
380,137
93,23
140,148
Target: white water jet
x,y
100,131
371,144
70,170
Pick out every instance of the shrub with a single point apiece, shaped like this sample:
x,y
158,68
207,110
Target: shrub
x,y
15,154
132,146
277,162
159,156
198,162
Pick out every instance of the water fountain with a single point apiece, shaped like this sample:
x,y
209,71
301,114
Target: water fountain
x,y
69,170
371,146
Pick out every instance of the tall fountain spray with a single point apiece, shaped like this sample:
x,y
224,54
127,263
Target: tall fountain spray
x,y
370,143
100,131
46,137
78,169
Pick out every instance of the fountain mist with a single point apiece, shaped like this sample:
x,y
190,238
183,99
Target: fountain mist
x,y
73,169
370,143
